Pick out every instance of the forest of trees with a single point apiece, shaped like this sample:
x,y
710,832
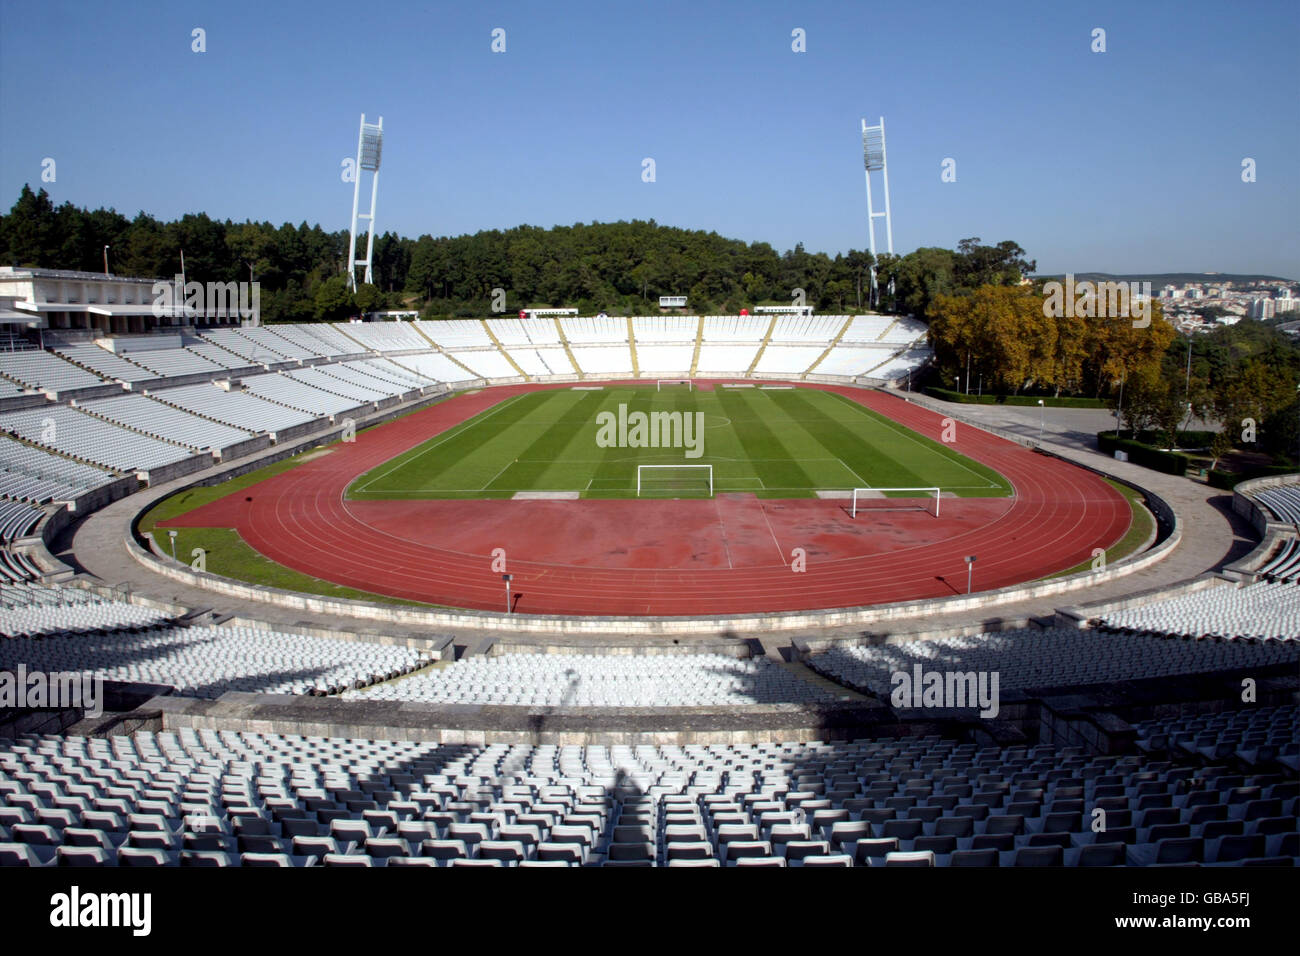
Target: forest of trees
x,y
620,267
1231,375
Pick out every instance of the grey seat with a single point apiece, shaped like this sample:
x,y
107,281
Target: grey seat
x,y
974,858
631,851
137,856
910,858
1098,854
85,856
1040,856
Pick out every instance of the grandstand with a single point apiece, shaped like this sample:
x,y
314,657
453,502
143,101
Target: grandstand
x,y
1261,611
142,414
1283,501
91,440
302,395
157,799
196,661
105,363
45,371
1051,658
30,611
685,758
576,680
239,409
383,336
30,474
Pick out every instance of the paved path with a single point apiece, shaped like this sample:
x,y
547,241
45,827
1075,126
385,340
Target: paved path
x,y
1213,536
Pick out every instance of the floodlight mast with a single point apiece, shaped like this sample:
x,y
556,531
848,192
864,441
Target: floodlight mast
x,y
873,160
370,145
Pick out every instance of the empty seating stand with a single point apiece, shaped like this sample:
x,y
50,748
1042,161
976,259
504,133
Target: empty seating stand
x,y
594,680
1262,610
151,417
44,371
1051,657
226,798
81,436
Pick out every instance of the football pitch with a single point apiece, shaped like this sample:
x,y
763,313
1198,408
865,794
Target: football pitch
x,y
771,442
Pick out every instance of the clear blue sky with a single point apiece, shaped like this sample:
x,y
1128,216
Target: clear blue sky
x,y
1123,161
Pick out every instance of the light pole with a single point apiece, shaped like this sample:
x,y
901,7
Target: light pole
x,y
106,248
507,578
970,571
1042,412
172,535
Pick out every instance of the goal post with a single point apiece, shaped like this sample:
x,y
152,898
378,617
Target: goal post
x,y
707,469
660,383
877,494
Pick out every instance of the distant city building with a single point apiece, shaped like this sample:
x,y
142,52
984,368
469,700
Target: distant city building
x,y
1262,309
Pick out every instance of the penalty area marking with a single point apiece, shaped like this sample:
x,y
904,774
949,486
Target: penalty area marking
x,y
546,495
587,388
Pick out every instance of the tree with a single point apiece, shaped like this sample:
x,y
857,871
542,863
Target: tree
x,y
332,301
367,298
1220,445
1003,331
30,230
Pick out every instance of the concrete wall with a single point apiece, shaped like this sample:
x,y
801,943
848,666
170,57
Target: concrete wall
x,y
241,448
479,725
297,431
178,469
1244,570
728,648
15,403
97,498
1244,503
106,390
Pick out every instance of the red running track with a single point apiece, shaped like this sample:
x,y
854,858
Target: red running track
x,y
729,555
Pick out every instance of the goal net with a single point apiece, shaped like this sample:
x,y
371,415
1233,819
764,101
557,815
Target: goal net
x,y
660,383
674,479
896,499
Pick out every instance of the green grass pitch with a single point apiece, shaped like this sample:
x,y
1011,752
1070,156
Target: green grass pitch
x,y
775,443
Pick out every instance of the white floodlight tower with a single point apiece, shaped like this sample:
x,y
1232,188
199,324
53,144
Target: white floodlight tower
x,y
873,160
370,144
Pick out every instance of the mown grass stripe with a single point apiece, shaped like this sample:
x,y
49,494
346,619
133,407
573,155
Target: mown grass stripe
x,y
762,445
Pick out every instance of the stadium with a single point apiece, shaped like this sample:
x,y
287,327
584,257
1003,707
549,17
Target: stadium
x,y
406,468
399,561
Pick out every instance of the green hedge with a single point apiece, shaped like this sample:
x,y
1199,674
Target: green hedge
x,y
1227,480
948,395
1188,439
1169,462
